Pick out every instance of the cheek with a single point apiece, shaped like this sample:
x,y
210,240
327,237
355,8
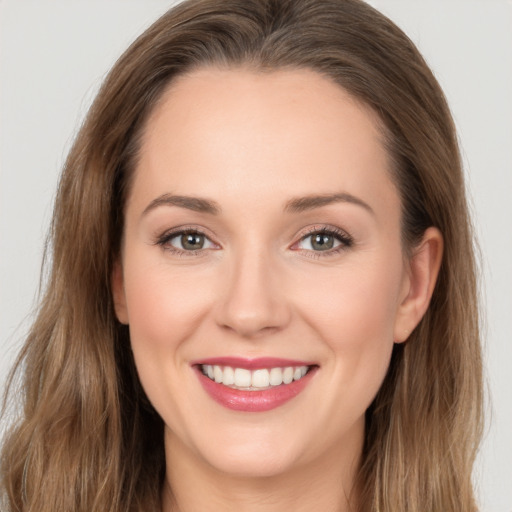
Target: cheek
x,y
353,300
353,317
164,307
164,303
354,310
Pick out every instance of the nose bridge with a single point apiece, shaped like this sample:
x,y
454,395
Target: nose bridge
x,y
254,300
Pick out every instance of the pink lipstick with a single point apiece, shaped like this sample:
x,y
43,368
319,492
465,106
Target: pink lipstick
x,y
253,385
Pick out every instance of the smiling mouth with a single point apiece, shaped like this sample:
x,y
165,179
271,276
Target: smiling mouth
x,y
253,380
254,385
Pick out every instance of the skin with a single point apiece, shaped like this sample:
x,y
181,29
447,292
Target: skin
x,y
252,142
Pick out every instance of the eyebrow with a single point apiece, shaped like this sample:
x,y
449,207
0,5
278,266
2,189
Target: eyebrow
x,y
295,205
196,204
302,204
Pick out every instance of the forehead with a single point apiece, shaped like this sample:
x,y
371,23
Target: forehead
x,y
289,132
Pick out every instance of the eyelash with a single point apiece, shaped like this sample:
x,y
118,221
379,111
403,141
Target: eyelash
x,y
346,241
164,239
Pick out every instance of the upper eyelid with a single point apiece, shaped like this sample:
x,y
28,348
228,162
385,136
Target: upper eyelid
x,y
325,229
179,230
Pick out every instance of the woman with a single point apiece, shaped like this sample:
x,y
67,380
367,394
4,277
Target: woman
x,y
262,278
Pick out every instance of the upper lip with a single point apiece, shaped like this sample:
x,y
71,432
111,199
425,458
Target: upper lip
x,y
251,363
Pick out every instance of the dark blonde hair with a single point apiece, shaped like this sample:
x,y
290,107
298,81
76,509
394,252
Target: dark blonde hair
x,y
88,439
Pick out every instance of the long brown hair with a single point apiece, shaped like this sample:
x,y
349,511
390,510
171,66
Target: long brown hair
x,y
88,439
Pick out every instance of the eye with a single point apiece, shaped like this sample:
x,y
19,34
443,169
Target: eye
x,y
186,241
324,240
319,242
189,241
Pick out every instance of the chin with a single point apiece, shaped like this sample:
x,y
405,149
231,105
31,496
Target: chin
x,y
245,453
253,463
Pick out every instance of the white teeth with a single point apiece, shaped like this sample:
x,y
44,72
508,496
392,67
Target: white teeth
x,y
276,376
228,376
217,373
260,379
288,375
242,378
256,379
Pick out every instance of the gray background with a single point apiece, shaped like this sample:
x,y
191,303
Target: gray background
x,y
53,55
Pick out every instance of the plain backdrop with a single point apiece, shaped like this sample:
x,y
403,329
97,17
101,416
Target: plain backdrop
x,y
54,54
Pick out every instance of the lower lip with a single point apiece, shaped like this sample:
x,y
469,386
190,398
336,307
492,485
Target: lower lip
x,y
253,401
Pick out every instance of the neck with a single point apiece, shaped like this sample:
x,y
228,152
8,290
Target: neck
x,y
325,484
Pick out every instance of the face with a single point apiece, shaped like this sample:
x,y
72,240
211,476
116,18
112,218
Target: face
x,y
262,247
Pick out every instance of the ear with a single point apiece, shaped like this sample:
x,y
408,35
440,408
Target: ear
x,y
118,293
419,283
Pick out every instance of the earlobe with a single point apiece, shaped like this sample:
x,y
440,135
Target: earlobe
x,y
424,266
118,294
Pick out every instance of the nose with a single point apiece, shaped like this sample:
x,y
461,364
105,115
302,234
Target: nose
x,y
253,300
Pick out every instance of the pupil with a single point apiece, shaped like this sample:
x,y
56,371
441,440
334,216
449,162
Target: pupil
x,y
322,242
192,241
